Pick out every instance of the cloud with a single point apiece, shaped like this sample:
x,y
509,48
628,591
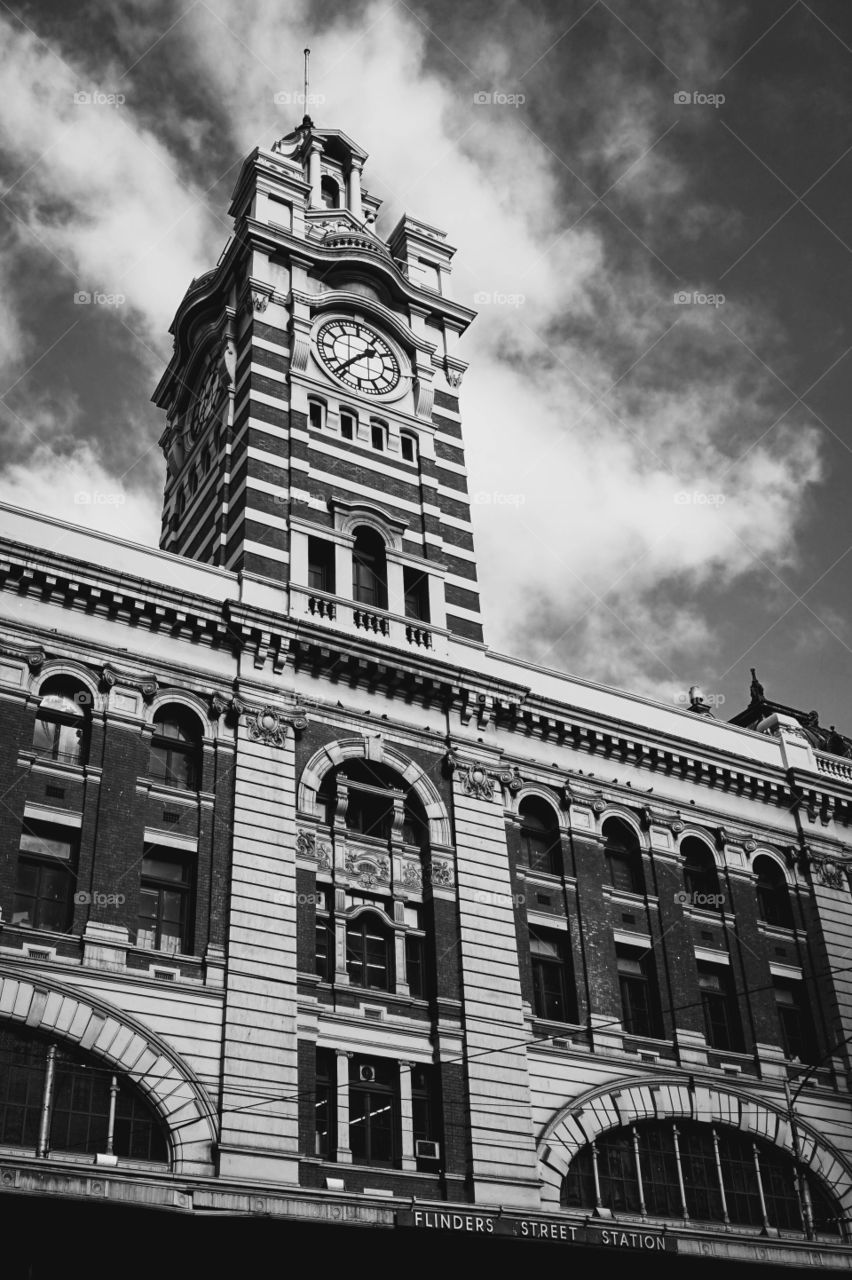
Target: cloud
x,y
595,398
75,486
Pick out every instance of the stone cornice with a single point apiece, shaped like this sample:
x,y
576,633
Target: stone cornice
x,y
477,697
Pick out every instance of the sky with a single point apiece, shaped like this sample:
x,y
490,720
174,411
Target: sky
x,y
649,203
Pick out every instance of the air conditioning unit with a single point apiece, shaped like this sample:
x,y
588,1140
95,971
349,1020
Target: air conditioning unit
x,y
367,1074
427,1150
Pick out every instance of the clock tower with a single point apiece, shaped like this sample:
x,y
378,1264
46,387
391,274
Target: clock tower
x,y
313,437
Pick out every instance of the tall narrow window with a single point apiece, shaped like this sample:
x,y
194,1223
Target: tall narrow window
x,y
798,1035
324,949
541,844
325,1122
637,983
408,446
316,414
175,748
369,569
425,1118
373,1110
773,899
700,877
378,433
163,923
348,425
416,586
624,858
722,1025
416,964
44,884
62,722
369,952
553,993
321,565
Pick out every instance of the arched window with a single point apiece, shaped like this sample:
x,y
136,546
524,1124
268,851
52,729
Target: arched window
x,y
623,857
408,446
78,1111
773,900
176,748
700,877
369,569
640,1169
541,847
369,952
180,503
62,722
371,790
329,192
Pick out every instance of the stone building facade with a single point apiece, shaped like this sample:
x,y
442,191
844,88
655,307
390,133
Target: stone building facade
x,y
314,907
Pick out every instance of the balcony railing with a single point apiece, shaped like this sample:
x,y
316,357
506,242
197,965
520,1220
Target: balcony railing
x,y
836,766
357,619
367,620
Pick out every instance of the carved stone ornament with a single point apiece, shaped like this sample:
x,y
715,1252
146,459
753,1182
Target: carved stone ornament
x,y
512,781
412,875
454,377
218,705
830,873
259,300
370,870
266,724
308,846
440,874
477,783
598,805
34,658
147,685
269,726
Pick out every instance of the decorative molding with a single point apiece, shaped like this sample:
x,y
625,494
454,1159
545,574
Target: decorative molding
x,y
147,685
268,725
34,658
440,873
477,782
454,371
412,875
308,846
219,706
512,781
371,869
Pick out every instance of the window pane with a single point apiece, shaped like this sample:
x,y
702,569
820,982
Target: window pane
x,y
46,841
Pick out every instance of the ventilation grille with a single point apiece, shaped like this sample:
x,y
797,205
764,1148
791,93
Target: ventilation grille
x,y
376,1014
706,935
781,951
165,975
58,793
170,816
543,899
38,953
628,919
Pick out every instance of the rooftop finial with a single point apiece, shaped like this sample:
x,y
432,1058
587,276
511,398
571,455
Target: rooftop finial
x,y
307,119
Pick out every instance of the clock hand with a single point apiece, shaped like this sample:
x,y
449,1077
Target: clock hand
x,y
370,351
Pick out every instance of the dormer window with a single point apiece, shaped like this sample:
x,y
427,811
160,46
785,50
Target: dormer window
x,y
316,414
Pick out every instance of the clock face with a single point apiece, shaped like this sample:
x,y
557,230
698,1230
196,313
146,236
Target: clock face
x,y
358,357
